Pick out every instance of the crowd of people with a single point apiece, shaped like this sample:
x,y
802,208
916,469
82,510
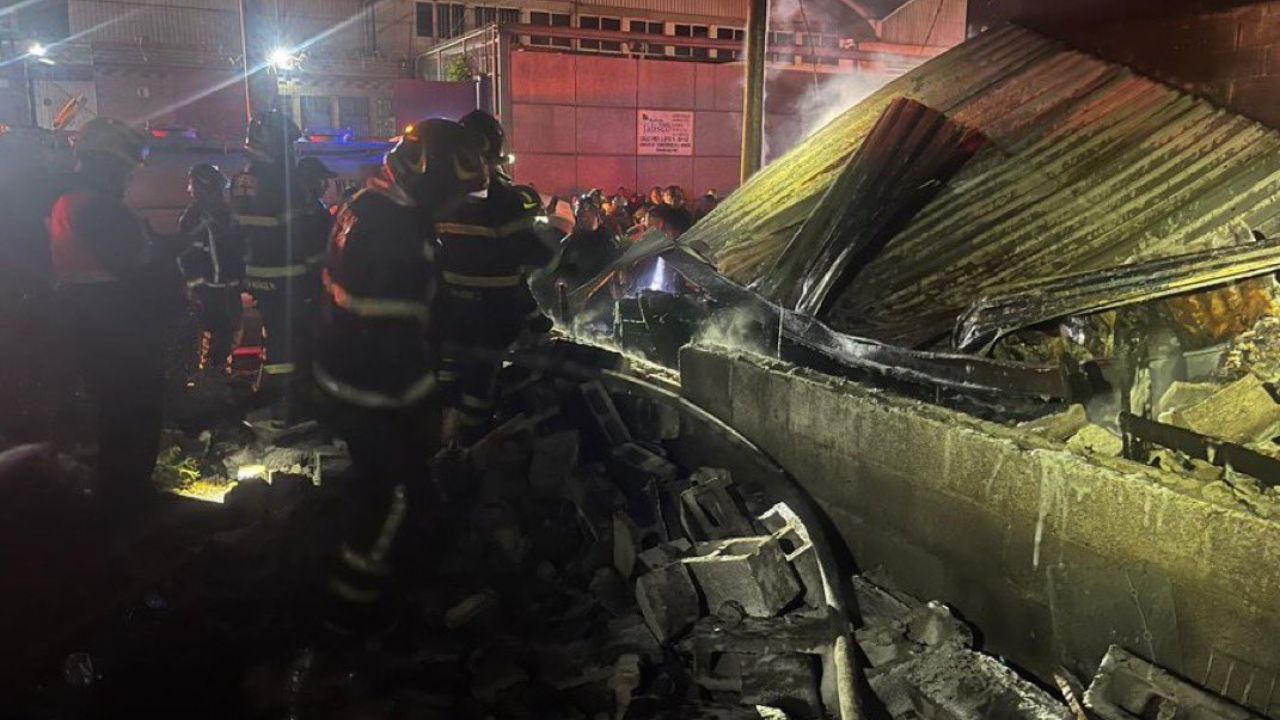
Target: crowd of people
x,y
626,213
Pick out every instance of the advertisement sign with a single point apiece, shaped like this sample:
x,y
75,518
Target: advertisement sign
x,y
664,132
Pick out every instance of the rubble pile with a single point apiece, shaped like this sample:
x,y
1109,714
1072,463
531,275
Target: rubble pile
x,y
923,664
593,573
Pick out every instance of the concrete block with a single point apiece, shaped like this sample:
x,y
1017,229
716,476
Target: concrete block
x,y
554,459
1241,412
788,682
714,510
1095,439
752,572
1058,426
613,431
641,475
664,554
1128,687
794,539
668,601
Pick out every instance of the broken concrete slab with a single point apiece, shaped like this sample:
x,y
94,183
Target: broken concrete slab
x,y
753,572
668,601
1128,687
1058,426
1096,440
1182,395
1241,412
961,685
787,681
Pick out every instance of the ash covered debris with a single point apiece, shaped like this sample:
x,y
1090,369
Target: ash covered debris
x,y
587,565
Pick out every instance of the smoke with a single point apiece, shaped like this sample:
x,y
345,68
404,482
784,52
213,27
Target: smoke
x,y
738,329
815,94
836,94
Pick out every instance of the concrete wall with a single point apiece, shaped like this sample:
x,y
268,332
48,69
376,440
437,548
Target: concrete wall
x,y
574,121
1229,55
1054,556
573,118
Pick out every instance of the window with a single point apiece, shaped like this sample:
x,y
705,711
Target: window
x,y
315,113
451,20
642,47
353,113
485,15
822,41
727,33
508,16
598,23
550,20
781,38
424,22
692,31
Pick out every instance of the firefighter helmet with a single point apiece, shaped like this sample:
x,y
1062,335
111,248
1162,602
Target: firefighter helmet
x,y
494,138
271,135
112,138
208,177
438,157
314,169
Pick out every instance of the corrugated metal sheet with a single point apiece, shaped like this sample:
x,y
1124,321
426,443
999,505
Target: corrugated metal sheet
x,y
1090,166
938,23
202,23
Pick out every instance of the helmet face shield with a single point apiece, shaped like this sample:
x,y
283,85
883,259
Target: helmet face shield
x,y
438,158
207,178
271,135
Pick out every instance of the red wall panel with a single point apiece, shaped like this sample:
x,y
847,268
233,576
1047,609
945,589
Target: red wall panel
x,y
543,128
606,81
606,172
606,131
667,85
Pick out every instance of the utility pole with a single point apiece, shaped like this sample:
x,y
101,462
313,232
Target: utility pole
x,y
753,94
244,58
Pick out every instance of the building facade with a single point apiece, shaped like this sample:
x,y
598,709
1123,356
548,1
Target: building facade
x,y
182,62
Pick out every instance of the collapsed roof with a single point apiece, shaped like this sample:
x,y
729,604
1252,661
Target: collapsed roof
x,y
1088,166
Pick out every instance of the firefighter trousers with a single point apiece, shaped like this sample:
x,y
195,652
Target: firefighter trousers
x,y
388,487
218,312
287,307
115,344
477,329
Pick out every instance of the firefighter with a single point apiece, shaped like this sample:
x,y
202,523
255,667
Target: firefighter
x,y
282,255
112,288
374,362
489,244
213,267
